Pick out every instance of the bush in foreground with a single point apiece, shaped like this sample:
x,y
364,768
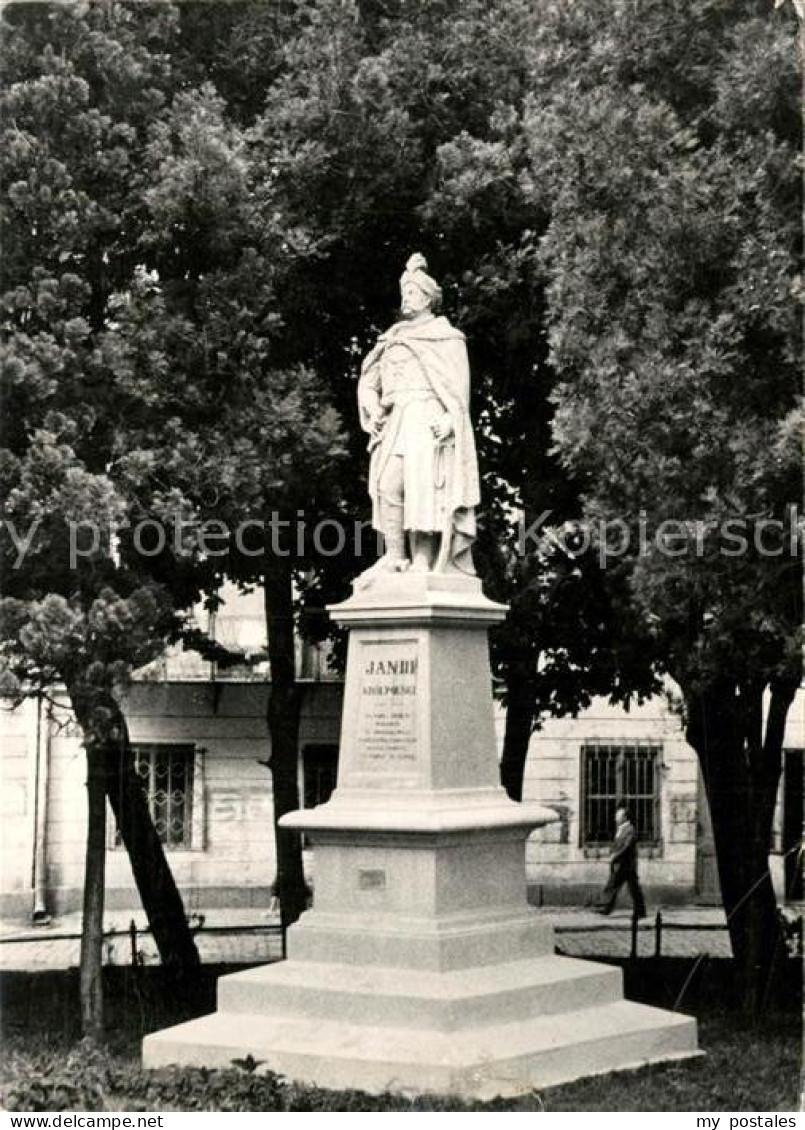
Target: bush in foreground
x,y
744,1069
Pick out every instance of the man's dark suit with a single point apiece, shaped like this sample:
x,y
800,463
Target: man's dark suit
x,y
623,869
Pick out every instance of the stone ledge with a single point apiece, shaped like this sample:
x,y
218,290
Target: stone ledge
x,y
419,812
441,944
442,1001
479,1063
406,599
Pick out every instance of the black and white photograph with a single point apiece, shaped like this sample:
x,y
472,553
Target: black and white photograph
x,y
401,588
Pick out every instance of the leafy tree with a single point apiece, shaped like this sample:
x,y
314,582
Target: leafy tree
x,y
241,439
663,139
84,82
256,250
545,136
279,187
408,133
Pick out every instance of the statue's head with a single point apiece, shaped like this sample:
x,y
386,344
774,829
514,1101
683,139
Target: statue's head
x,y
418,290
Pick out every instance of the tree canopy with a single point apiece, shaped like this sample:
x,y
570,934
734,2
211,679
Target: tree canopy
x,y
206,210
672,262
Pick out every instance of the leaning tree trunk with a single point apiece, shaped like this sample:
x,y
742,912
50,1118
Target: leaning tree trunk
x,y
741,770
91,961
521,705
284,711
155,883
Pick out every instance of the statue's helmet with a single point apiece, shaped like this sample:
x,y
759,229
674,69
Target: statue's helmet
x,y
416,271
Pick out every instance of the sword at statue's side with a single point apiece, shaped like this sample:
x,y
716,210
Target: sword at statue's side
x,y
443,556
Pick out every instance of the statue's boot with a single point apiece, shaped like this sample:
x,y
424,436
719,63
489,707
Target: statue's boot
x,y
422,546
394,559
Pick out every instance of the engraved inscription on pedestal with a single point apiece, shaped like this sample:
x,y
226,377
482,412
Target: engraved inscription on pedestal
x,y
386,729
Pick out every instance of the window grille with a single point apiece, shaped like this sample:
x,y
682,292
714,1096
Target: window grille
x,y
620,774
167,776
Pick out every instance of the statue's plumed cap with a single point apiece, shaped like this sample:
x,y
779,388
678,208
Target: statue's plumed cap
x,y
417,269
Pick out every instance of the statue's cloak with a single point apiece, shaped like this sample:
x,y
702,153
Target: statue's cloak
x,y
441,352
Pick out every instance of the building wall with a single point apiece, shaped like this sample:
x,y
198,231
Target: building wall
x,y
233,862
794,740
179,698
232,865
560,869
17,806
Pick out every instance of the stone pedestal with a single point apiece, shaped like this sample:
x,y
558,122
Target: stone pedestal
x,y
421,966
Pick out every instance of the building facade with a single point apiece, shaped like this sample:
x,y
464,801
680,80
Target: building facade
x,y
202,747
582,767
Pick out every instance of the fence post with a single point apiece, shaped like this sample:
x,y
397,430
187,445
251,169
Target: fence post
x,y
658,935
634,934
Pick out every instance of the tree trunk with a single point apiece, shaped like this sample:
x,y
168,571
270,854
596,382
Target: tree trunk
x,y
741,770
284,710
91,970
158,891
160,896
521,704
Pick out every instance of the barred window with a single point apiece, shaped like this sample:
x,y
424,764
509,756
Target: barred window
x,y
167,773
613,774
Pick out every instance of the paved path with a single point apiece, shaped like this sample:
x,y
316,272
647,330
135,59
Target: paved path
x,y
251,936
588,935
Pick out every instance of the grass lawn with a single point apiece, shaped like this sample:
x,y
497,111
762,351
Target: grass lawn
x,y
46,1067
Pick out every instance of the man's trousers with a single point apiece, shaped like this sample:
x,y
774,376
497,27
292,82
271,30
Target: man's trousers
x,y
618,876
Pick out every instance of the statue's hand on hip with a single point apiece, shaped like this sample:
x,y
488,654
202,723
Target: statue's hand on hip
x,y
442,429
377,425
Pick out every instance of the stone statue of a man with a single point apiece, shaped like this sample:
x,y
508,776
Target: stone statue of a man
x,y
413,398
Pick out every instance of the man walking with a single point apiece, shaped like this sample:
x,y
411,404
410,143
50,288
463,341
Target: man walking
x,y
623,866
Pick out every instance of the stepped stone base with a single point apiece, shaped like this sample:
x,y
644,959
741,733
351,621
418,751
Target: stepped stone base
x,y
478,1062
421,967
